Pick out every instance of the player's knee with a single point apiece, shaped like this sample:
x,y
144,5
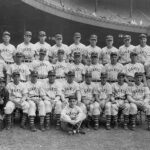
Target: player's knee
x,y
9,108
133,108
32,105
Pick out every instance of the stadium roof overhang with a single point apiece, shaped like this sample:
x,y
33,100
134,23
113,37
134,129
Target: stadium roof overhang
x,y
83,18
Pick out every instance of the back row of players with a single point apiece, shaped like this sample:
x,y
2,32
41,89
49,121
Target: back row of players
x,y
84,68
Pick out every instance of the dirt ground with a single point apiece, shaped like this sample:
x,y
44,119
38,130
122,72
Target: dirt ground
x,y
18,139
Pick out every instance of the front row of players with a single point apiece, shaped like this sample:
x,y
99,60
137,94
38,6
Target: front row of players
x,y
73,105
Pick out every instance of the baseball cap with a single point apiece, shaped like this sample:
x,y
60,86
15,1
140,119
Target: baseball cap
x,y
77,54
60,51
72,97
93,37
71,73
127,37
77,35
16,73
88,74
113,53
52,73
137,74
121,75
133,54
2,80
6,33
34,73
42,33
94,55
104,75
109,38
28,33
19,54
42,51
58,36
142,36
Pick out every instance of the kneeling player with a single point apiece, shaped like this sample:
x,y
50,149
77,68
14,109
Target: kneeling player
x,y
103,94
17,98
72,117
36,101
139,99
120,100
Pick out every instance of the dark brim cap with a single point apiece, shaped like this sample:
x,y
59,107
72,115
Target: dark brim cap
x,y
42,51
77,35
104,75
71,73
142,36
113,54
77,54
19,54
42,33
34,73
28,33
121,75
137,74
93,37
88,74
127,37
16,73
94,55
2,80
58,36
6,33
133,54
51,73
60,51
109,38
72,97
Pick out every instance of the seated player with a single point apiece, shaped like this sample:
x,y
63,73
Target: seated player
x,y
72,117
53,98
103,94
113,68
17,99
4,97
120,100
87,98
139,99
35,97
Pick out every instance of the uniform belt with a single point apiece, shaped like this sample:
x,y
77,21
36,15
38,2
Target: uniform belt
x,y
112,81
9,63
117,98
28,61
34,96
23,81
42,77
96,80
60,77
79,81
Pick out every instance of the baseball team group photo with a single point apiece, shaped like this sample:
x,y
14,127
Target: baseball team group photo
x,y
95,90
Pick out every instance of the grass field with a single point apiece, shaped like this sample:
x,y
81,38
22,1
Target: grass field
x,y
18,139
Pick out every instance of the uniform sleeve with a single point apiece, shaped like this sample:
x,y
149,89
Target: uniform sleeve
x,y
110,89
80,115
9,70
142,69
14,50
27,71
147,91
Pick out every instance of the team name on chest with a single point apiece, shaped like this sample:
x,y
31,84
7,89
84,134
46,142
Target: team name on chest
x,y
5,50
113,69
133,69
16,90
27,49
59,67
138,91
41,65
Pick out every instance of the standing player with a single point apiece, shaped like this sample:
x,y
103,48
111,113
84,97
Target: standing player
x,y
113,68
41,65
53,99
88,99
103,94
77,67
93,47
125,50
61,66
17,98
77,46
139,99
143,50
59,45
27,48
35,97
42,44
95,68
108,49
119,100
20,67
7,50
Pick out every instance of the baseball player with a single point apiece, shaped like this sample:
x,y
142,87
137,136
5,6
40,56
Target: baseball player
x,y
7,50
133,67
61,66
139,99
17,99
88,99
125,50
72,117
77,67
107,50
59,45
35,98
4,97
42,44
95,68
41,65
119,100
93,47
27,48
103,94
20,67
143,50
77,46
113,68
54,98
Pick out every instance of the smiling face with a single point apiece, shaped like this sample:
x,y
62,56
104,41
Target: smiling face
x,y
27,38
6,38
72,103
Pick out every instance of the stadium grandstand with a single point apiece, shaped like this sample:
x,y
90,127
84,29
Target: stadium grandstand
x,y
57,16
